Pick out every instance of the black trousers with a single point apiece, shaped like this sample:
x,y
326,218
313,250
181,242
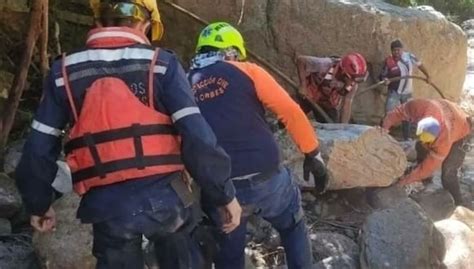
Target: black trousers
x,y
449,168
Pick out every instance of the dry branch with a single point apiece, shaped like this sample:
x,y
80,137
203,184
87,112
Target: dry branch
x,y
14,95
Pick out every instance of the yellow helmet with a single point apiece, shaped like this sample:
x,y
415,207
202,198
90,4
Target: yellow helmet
x,y
222,35
131,9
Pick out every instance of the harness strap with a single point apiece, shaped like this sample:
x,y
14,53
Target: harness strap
x,y
98,167
123,164
137,143
151,75
67,86
121,133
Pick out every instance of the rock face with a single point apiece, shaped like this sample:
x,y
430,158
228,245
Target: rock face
x,y
401,237
70,246
355,155
16,252
280,30
10,201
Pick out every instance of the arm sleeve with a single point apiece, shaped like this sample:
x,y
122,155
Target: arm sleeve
x,y
37,167
276,99
396,116
426,168
207,163
415,60
312,64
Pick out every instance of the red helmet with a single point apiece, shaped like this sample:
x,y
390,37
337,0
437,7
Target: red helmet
x,y
354,66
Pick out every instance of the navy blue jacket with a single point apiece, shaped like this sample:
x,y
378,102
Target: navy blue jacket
x,y
106,55
233,96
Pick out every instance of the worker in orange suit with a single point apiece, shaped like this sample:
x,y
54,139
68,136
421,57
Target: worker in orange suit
x,y
443,131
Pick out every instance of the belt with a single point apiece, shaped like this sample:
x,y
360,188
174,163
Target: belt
x,y
254,178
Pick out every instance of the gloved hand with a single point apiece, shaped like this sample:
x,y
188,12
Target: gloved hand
x,y
314,164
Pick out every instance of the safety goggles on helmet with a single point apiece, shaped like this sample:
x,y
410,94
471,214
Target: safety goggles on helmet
x,y
124,10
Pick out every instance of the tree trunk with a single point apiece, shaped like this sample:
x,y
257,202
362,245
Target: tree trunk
x,y
44,39
14,95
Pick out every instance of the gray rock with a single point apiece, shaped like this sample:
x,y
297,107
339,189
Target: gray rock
x,y
355,156
437,205
13,155
10,200
381,198
401,237
280,30
16,252
337,262
70,246
326,245
5,227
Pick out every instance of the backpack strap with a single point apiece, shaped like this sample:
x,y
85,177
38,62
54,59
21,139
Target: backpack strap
x,y
151,75
67,86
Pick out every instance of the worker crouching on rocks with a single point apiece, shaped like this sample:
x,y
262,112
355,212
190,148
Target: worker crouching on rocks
x,y
443,134
233,95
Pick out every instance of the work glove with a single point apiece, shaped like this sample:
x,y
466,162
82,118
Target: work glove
x,y
314,164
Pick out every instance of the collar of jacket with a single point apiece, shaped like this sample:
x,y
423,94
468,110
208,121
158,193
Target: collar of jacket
x,y
108,37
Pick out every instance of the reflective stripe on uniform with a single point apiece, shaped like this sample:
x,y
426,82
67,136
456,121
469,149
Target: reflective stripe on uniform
x,y
108,70
160,69
184,113
59,82
244,177
45,129
109,55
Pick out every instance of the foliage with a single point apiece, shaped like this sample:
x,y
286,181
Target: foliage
x,y
456,10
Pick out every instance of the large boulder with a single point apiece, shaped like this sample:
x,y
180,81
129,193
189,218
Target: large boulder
x,y
356,156
401,237
10,200
280,30
459,240
70,245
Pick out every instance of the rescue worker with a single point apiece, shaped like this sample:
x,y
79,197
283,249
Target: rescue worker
x,y
443,130
232,96
331,83
134,129
400,63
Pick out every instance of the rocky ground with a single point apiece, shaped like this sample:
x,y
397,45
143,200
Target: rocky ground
x,y
349,229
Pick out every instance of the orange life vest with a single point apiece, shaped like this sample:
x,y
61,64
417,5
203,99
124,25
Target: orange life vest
x,y
116,137
325,96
